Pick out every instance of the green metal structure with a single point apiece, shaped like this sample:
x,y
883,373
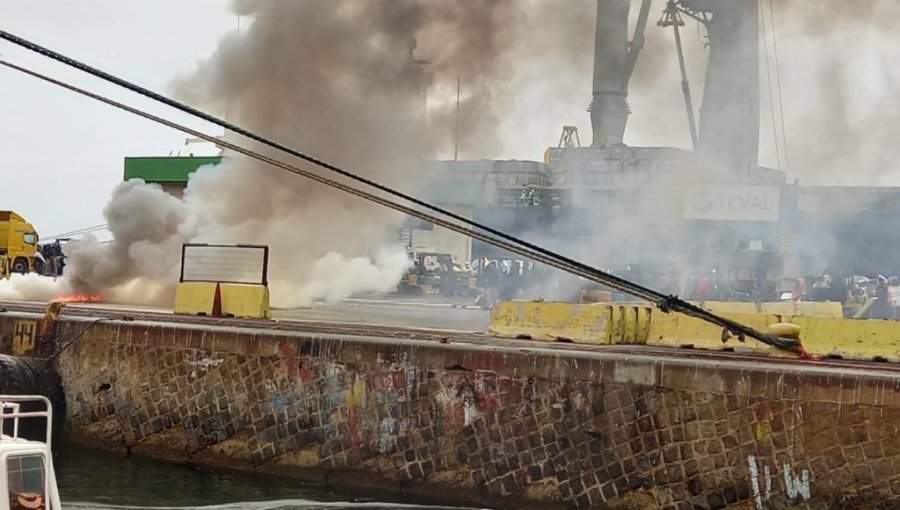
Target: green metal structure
x,y
164,170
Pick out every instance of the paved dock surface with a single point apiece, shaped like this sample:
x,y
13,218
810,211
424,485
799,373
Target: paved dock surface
x,y
435,319
454,314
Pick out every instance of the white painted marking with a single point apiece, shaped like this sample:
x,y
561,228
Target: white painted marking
x,y
204,363
469,410
386,438
796,487
754,481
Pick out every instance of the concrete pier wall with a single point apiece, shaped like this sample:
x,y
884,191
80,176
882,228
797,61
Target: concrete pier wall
x,y
498,423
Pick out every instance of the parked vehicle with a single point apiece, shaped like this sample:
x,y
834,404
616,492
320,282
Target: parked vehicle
x,y
18,242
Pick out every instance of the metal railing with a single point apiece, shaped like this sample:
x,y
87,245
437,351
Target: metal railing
x,y
10,406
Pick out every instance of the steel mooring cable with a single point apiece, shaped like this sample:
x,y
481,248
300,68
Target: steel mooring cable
x,y
460,224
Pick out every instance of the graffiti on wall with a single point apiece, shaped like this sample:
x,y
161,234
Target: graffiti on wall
x,y
764,477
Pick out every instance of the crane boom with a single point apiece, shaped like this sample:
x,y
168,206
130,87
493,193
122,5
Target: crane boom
x,y
729,115
614,61
637,40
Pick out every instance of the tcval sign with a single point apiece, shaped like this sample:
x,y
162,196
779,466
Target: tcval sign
x,y
732,203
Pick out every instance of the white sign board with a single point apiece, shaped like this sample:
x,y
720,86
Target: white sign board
x,y
732,203
226,264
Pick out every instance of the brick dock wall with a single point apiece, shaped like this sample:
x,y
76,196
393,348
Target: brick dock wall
x,y
492,424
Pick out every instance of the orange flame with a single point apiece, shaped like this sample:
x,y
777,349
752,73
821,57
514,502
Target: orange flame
x,y
80,298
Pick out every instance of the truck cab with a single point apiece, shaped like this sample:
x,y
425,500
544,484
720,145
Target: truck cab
x,y
18,242
27,478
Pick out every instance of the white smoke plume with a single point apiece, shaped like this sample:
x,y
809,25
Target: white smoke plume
x,y
32,287
334,78
334,277
148,228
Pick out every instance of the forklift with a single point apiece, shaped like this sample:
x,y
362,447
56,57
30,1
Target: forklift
x,y
434,273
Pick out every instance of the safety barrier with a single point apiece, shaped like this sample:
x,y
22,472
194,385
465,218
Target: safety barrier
x,y
224,281
858,339
681,331
222,300
812,308
611,323
830,309
728,307
589,323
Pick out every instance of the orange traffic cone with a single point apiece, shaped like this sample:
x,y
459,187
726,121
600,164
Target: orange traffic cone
x,y
217,302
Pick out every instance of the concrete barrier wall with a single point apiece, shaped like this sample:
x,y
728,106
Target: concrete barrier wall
x,y
611,323
602,324
863,339
235,299
824,337
489,421
811,309
679,331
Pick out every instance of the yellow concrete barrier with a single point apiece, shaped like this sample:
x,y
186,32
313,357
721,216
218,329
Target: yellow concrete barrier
x,y
243,300
194,298
725,307
236,300
860,339
815,309
579,323
630,323
821,336
830,309
612,323
678,330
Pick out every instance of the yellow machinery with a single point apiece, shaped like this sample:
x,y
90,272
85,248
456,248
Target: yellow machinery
x,y
18,242
411,283
467,282
435,273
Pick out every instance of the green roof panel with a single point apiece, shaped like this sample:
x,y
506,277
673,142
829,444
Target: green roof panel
x,y
166,169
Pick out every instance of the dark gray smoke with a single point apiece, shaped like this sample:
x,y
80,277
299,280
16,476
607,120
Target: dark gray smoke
x,y
336,79
340,69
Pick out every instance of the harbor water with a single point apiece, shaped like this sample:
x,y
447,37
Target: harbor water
x,y
93,480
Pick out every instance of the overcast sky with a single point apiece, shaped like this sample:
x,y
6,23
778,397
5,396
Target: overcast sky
x,y
60,153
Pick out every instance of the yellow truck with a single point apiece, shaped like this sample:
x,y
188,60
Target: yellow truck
x,y
18,244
